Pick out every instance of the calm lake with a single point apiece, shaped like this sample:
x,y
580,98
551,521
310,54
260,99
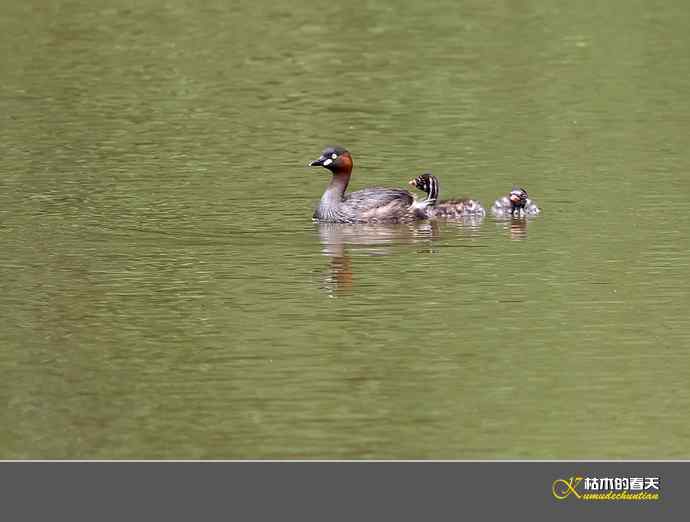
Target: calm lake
x,y
165,293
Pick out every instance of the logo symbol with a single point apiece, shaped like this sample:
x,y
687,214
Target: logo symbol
x,y
562,488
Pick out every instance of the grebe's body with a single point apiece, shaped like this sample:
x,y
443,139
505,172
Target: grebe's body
x,y
515,205
446,209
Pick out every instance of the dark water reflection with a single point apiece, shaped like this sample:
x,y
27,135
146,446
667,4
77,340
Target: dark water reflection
x,y
341,241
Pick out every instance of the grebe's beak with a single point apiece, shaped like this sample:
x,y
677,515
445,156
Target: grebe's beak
x,y
514,198
323,161
412,183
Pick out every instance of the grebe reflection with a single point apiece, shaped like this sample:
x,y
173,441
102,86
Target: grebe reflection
x,y
340,241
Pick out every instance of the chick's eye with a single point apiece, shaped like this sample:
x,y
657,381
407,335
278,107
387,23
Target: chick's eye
x,y
334,155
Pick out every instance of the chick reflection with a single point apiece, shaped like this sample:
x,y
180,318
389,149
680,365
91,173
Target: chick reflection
x,y
517,228
468,226
338,240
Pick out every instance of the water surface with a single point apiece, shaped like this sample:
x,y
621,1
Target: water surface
x,y
166,295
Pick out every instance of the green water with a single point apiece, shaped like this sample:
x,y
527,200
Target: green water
x,y
166,295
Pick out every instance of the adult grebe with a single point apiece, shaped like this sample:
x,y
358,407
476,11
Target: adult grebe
x,y
371,205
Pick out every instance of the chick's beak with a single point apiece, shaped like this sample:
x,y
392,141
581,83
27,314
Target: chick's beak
x,y
412,183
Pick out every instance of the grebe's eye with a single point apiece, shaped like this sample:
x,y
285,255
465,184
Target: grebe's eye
x,y
334,155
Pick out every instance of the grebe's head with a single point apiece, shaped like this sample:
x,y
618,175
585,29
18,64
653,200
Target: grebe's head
x,y
422,182
336,159
518,198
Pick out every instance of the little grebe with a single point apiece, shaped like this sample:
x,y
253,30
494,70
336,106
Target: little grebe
x,y
515,205
371,205
449,208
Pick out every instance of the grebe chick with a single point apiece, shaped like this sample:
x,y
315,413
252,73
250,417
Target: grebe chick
x,y
371,205
515,205
449,208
